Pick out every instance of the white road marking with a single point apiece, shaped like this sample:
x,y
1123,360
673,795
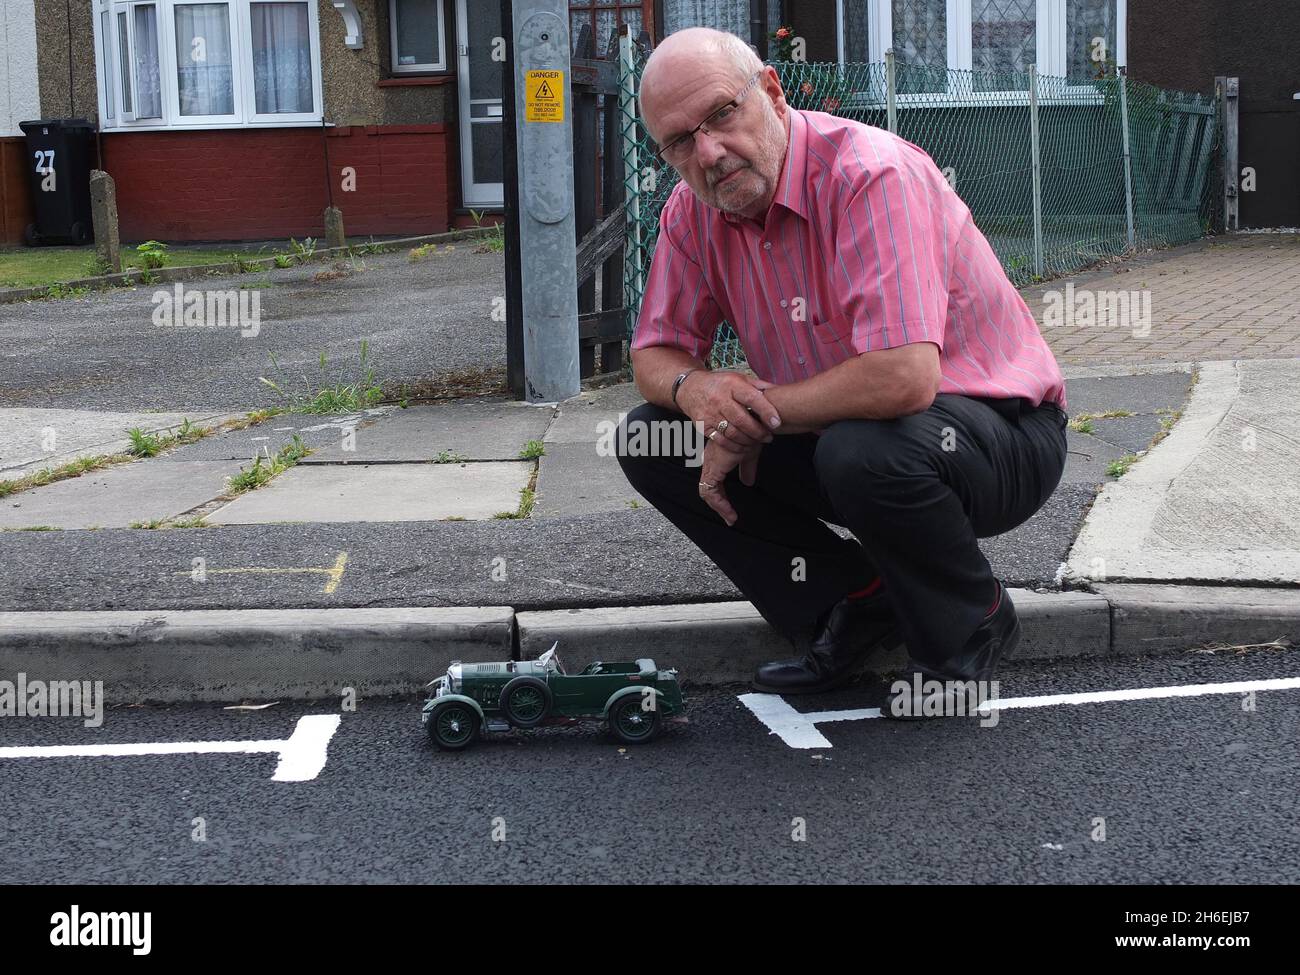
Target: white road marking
x,y
302,754
798,729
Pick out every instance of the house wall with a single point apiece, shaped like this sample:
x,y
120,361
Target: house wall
x,y
19,102
1255,40
398,135
270,183
19,89
58,98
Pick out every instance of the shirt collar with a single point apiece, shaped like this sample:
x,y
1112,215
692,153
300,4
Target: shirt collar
x,y
791,184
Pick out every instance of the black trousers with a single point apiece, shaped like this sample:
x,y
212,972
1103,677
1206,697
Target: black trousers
x,y
916,492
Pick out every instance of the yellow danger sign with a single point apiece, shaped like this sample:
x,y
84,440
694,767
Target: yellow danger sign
x,y
544,96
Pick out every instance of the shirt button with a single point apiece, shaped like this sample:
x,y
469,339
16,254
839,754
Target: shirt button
x,y
801,360
784,303
767,245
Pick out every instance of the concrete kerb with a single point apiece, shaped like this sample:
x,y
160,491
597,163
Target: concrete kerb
x,y
232,655
192,272
225,656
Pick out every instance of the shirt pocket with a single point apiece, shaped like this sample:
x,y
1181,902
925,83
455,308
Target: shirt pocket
x,y
835,331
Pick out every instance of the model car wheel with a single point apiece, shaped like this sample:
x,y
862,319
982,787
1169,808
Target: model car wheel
x,y
453,725
632,724
526,701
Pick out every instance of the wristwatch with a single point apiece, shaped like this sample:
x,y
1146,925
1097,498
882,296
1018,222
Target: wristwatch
x,y
678,382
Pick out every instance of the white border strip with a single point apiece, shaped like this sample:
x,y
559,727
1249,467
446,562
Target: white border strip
x,y
799,729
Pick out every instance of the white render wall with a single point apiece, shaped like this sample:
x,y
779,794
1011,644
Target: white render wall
x,y
20,96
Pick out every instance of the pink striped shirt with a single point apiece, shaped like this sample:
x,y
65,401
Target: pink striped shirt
x,y
865,247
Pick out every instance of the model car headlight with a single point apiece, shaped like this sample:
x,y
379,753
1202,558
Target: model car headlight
x,y
454,677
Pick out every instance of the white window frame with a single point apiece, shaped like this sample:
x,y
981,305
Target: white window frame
x,y
245,113
441,8
1050,55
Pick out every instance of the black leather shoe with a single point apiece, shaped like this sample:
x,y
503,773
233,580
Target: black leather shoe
x,y
853,631
965,680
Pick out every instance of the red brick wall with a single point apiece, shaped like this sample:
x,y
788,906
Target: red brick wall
x,y
15,193
252,184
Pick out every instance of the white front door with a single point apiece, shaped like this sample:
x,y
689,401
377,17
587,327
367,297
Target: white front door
x,y
478,25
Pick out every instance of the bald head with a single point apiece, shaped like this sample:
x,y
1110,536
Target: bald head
x,y
689,53
734,164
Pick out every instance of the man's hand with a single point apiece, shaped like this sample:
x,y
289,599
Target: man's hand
x,y
723,402
718,462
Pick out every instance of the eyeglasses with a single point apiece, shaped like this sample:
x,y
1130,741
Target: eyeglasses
x,y
679,150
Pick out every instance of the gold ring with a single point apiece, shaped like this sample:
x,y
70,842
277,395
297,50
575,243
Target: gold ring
x,y
722,425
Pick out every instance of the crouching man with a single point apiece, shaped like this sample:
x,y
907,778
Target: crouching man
x,y
901,387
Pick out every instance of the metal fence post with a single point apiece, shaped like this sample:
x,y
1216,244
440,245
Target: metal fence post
x,y
1035,155
891,91
1128,156
631,171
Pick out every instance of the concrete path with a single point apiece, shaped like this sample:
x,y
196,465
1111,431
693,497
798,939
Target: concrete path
x,y
1219,499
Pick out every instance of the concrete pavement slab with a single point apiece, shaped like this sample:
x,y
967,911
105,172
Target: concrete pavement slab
x,y
1216,500
115,497
381,492
473,429
34,439
580,418
229,655
573,479
317,432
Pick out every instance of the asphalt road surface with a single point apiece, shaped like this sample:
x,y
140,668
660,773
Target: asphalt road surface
x,y
1197,789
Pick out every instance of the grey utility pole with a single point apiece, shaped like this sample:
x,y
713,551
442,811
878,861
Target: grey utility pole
x,y
545,216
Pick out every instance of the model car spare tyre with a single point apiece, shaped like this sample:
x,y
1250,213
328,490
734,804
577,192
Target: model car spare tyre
x,y
453,725
632,723
526,701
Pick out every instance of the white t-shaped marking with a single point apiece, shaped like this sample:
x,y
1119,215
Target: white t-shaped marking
x,y
798,729
302,754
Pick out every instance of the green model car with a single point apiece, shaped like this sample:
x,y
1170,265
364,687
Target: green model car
x,y
635,698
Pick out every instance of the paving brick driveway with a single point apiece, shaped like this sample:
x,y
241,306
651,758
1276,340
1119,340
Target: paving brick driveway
x,y
1234,297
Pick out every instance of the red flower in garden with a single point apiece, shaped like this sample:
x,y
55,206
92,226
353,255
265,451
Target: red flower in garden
x,y
806,88
782,33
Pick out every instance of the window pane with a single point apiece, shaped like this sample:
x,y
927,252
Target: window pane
x,y
606,27
124,59
204,76
1090,38
282,77
107,40
1003,36
417,32
921,45
148,74
921,32
856,50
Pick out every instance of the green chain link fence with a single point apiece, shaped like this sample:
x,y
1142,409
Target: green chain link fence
x,y
980,130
